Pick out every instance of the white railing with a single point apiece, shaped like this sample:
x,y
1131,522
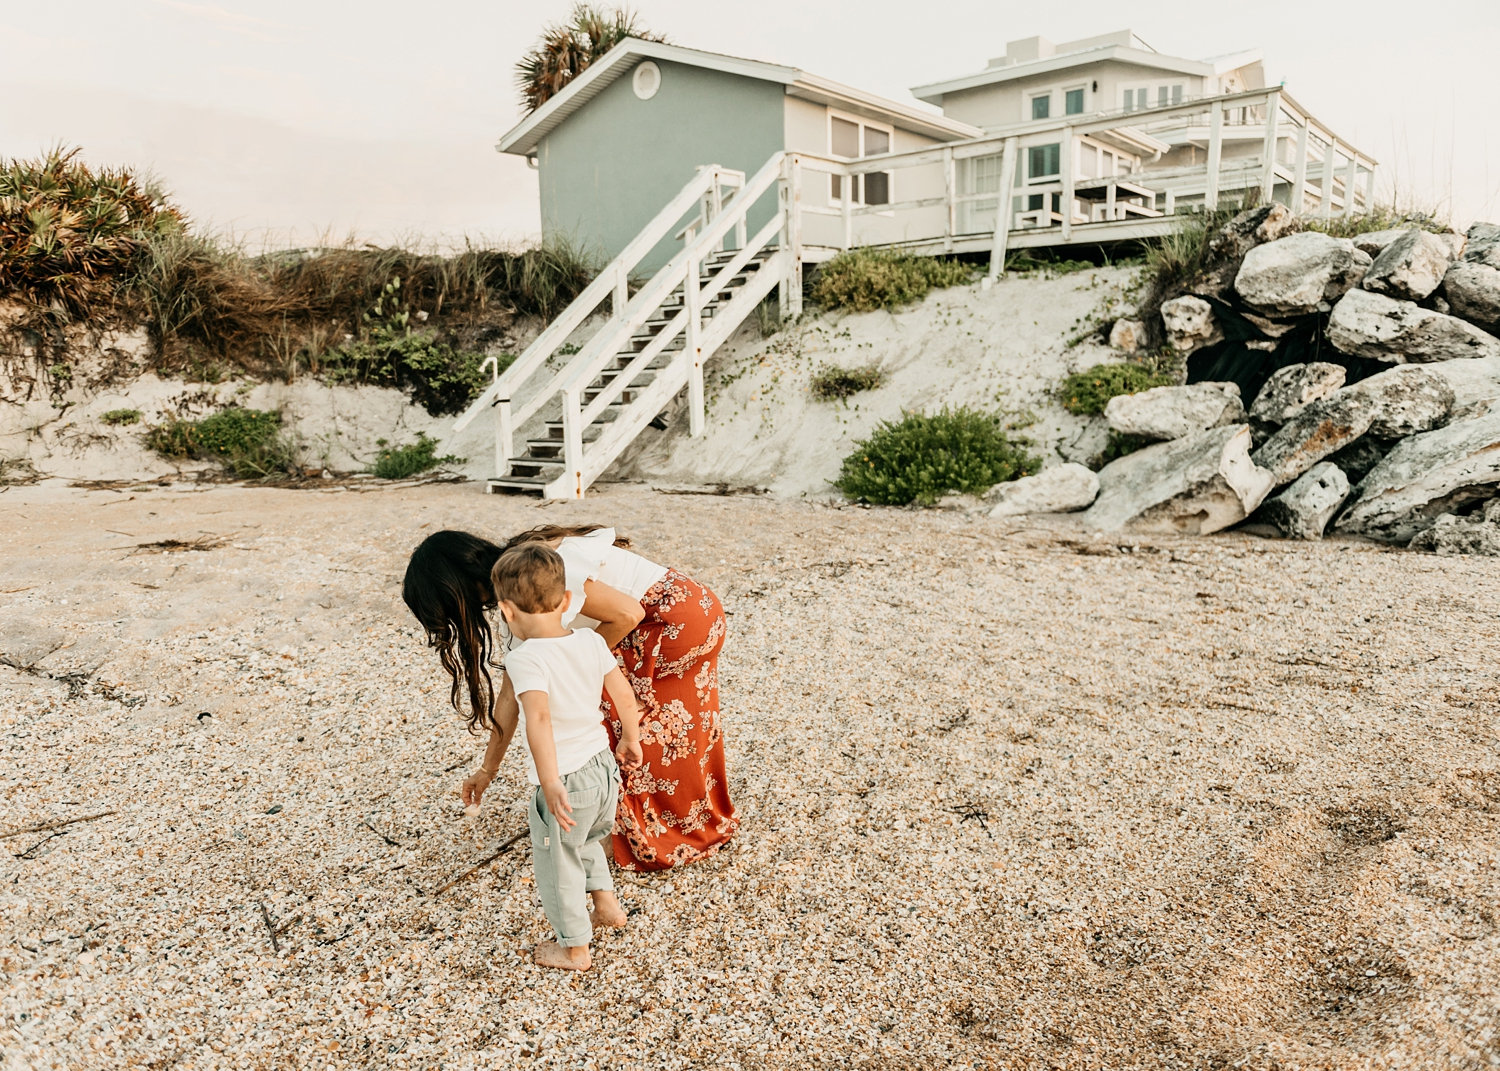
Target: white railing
x,y
681,277
612,285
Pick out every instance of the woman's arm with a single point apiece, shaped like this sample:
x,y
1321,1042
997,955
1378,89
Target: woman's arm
x,y
616,612
502,732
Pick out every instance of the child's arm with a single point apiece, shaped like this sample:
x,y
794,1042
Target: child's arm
x,y
544,755
622,698
502,732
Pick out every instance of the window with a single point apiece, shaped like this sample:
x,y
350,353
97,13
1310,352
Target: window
x,y
1043,161
849,139
646,80
1139,98
1041,107
1073,102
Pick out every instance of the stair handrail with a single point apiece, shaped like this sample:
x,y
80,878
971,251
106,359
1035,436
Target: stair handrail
x,y
605,344
611,281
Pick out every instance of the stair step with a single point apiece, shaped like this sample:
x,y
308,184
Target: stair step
x,y
656,364
628,395
533,468
555,427
515,484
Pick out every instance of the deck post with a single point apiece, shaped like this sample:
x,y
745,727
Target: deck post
x,y
693,347
1111,205
1170,203
1330,162
1215,151
504,436
794,230
846,211
1369,188
1273,116
949,193
1004,195
1299,175
573,440
1069,148
1350,177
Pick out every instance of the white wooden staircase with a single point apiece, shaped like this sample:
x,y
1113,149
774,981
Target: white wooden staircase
x,y
652,345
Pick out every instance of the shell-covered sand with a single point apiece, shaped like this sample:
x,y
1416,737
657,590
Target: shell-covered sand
x,y
1012,798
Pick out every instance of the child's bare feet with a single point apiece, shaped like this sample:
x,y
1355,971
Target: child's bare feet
x,y
607,909
569,958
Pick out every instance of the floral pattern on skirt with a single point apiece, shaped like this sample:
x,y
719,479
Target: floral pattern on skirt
x,y
675,806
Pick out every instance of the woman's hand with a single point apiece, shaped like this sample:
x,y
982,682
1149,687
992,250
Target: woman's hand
x,y
474,786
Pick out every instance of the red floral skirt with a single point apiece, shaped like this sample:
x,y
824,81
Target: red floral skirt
x,y
675,806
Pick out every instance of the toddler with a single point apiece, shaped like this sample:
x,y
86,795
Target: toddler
x,y
557,676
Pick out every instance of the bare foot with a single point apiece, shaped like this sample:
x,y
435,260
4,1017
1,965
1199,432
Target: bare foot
x,y
607,909
571,958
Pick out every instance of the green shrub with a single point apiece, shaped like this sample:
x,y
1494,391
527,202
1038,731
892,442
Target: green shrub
x,y
832,382
433,374
117,417
1027,263
1383,218
399,462
920,458
867,279
1087,393
248,442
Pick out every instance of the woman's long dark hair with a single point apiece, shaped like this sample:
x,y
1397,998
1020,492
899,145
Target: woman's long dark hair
x,y
448,588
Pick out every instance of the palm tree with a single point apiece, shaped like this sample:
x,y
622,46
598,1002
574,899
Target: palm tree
x,y
566,50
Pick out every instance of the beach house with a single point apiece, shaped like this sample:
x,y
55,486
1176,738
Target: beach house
x,y
705,183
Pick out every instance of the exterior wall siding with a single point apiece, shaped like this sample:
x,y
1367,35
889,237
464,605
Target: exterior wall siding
x,y
613,164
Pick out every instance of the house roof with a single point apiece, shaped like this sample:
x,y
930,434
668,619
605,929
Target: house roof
x,y
1144,57
523,138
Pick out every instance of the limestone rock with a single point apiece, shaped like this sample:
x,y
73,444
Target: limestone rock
x,y
1252,227
1290,389
1320,429
1491,512
1128,335
1473,293
1407,399
1426,475
1304,509
1474,380
1190,323
1172,412
1194,486
1293,276
1060,489
1483,245
1373,243
1459,535
1411,267
1372,325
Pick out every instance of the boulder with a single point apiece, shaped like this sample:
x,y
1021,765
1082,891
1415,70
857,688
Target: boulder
x,y
1375,326
1304,509
1474,380
1290,389
1128,335
1483,245
1473,293
1296,275
1320,429
1491,511
1411,267
1172,412
1060,489
1194,486
1459,535
1425,476
1190,323
1395,403
1252,227
1373,243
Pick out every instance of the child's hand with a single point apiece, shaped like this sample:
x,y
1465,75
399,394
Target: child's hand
x,y
556,795
474,786
629,754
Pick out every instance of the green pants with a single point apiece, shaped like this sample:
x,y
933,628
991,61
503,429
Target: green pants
x,y
571,865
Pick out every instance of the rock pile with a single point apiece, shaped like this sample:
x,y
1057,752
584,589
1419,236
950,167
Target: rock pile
x,y
1373,365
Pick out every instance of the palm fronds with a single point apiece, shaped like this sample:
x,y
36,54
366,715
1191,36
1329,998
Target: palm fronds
x,y
566,49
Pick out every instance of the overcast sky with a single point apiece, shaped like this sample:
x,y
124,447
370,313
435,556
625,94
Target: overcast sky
x,y
284,120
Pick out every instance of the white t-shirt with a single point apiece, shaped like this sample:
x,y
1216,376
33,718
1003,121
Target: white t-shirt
x,y
595,557
571,670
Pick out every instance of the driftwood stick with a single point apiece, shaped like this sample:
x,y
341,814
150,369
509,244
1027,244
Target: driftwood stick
x,y
496,854
382,836
29,851
44,826
266,915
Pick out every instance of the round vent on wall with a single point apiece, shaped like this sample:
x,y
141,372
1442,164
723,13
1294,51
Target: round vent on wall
x,y
646,80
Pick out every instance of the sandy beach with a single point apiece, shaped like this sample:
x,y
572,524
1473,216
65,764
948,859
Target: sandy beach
x,y
1012,797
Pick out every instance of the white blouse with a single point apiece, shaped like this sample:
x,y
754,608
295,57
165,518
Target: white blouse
x,y
595,557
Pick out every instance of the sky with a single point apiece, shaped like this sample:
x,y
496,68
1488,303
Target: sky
x,y
290,121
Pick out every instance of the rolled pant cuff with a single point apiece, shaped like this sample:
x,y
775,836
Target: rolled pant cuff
x,y
573,942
